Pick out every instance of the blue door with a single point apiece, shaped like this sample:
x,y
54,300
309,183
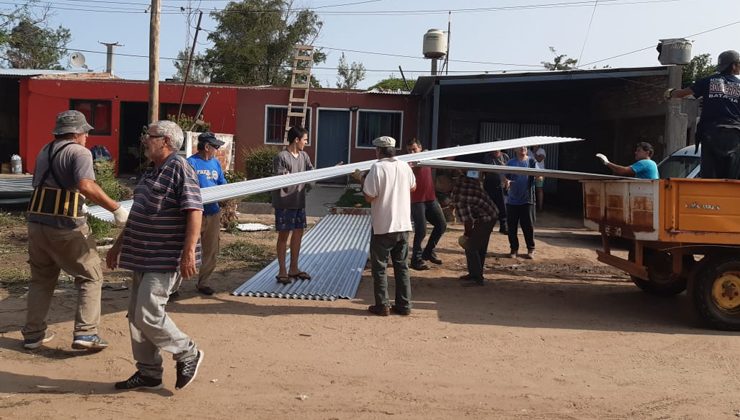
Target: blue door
x,y
332,137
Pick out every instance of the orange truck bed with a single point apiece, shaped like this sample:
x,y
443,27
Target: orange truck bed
x,y
689,211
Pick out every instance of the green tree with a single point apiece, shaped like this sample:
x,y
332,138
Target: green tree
x,y
26,40
254,41
349,75
200,72
700,66
393,83
559,62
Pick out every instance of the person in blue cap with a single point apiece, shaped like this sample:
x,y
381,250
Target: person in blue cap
x,y
209,172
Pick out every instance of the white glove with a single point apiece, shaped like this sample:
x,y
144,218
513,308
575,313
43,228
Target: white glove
x,y
85,209
603,158
120,215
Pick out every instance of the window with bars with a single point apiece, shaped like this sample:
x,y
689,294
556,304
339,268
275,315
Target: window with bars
x,y
373,124
275,124
97,114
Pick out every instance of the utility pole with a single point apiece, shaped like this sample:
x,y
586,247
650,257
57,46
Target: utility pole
x,y
187,67
154,61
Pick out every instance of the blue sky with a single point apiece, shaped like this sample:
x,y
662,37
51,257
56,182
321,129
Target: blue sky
x,y
486,35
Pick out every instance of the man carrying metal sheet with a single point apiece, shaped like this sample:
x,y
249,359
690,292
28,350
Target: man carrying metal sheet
x,y
386,187
644,166
59,237
719,125
519,204
290,205
425,208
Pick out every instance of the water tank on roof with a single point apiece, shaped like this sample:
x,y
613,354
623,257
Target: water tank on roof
x,y
674,51
435,44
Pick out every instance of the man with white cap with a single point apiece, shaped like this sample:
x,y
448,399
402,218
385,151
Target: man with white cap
x,y
719,125
59,237
387,188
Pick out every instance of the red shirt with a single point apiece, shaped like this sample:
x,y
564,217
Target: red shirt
x,y
424,185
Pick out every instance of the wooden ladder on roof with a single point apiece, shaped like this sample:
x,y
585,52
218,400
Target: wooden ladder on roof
x,y
300,82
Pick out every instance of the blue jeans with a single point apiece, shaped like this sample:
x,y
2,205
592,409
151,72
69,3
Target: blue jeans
x,y
397,246
421,213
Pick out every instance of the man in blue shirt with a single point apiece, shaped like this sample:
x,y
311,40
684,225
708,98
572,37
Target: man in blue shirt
x,y
519,203
644,167
209,172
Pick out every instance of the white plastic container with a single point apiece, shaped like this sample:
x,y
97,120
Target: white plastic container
x,y
16,165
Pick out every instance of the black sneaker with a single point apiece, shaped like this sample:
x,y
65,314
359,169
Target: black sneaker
x,y
400,311
380,310
432,258
32,344
419,266
139,381
187,371
205,290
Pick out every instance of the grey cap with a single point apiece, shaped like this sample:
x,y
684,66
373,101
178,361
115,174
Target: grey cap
x,y
71,122
726,59
384,141
210,138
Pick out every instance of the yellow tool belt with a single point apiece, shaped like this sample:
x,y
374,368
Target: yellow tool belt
x,y
56,202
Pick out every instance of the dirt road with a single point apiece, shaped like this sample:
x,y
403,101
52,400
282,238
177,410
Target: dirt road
x,y
562,336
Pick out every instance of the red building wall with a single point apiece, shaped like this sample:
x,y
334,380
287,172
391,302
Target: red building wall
x,y
41,99
230,109
251,103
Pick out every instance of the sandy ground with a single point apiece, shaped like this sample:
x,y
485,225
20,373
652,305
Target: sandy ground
x,y
560,337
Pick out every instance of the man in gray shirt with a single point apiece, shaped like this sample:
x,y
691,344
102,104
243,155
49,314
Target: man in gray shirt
x,y
290,205
59,237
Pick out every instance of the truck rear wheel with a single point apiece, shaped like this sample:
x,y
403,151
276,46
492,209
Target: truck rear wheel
x,y
715,291
662,281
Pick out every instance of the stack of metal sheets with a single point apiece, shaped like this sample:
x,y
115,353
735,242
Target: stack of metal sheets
x,y
334,253
15,188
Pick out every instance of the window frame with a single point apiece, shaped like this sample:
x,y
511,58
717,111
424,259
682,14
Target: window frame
x,y
309,117
73,103
399,140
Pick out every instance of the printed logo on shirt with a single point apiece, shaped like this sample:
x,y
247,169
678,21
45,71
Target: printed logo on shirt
x,y
719,88
211,175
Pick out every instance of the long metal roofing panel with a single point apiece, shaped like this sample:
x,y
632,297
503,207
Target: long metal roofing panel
x,y
334,253
249,187
548,173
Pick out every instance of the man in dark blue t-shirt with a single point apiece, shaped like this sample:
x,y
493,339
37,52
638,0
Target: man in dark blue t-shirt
x,y
719,125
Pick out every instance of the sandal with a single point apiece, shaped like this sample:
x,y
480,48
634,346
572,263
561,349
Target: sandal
x,y
301,275
284,279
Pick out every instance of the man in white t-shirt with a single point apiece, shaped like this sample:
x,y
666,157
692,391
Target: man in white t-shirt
x,y
386,187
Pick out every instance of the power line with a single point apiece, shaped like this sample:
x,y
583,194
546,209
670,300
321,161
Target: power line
x,y
585,3
588,31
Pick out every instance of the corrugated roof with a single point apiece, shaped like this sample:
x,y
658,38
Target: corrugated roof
x,y
31,72
424,83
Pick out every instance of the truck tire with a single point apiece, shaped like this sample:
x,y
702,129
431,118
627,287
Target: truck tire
x,y
715,291
662,281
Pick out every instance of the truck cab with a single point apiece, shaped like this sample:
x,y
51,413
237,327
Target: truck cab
x,y
683,163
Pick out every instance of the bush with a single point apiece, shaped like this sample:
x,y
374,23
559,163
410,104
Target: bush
x,y
105,177
352,198
259,162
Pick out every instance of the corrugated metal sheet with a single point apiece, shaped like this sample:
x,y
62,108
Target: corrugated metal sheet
x,y
334,253
30,72
244,188
15,189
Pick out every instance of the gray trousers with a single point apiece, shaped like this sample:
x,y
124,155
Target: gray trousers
x,y
151,328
